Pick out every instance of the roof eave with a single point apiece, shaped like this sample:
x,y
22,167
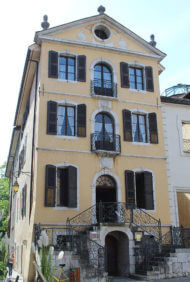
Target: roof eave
x,y
95,18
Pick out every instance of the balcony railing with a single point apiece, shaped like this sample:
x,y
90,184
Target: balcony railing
x,y
105,88
186,145
108,142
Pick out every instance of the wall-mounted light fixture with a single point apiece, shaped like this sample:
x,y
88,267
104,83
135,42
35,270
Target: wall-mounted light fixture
x,y
16,185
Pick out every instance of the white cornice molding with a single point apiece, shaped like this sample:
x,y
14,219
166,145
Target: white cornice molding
x,y
97,19
44,91
89,152
98,45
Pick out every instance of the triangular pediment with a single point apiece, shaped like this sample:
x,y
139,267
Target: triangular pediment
x,y
83,31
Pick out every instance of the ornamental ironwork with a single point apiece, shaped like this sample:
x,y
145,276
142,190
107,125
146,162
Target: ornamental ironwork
x,y
109,143
106,181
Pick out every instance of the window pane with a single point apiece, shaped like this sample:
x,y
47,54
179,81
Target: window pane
x,y
139,86
70,111
138,72
71,61
131,71
132,85
106,69
97,68
107,76
71,69
71,76
61,110
62,75
70,121
62,68
139,79
97,74
62,61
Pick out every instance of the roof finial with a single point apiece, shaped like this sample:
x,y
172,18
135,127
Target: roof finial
x,y
152,42
101,10
45,23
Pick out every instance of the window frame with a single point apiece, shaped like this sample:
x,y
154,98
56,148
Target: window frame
x,y
67,57
138,127
66,106
135,68
64,166
153,188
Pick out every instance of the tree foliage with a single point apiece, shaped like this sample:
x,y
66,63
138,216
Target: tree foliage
x,y
4,198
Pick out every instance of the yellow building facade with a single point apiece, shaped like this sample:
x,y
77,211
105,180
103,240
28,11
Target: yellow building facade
x,y
88,136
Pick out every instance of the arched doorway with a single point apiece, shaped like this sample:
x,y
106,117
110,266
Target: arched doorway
x,y
105,199
117,254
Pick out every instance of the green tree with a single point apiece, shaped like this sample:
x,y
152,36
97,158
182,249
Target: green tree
x,y
4,198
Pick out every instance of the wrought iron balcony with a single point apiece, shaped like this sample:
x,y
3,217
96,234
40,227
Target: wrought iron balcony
x,y
105,88
109,143
186,145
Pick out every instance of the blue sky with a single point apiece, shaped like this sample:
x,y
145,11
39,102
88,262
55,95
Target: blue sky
x,y
168,19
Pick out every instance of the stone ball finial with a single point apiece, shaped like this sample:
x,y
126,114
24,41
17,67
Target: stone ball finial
x,y
152,42
101,10
45,23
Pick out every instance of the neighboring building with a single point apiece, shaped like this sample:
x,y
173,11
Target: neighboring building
x,y
176,121
88,132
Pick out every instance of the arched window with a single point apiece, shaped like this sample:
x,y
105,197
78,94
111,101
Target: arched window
x,y
103,80
104,132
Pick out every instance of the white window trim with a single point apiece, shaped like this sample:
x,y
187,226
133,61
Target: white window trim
x,y
101,61
181,143
117,181
68,53
111,113
98,38
136,64
153,186
72,104
64,165
142,112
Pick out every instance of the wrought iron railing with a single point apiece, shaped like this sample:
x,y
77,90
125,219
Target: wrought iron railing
x,y
107,142
103,88
66,238
117,213
91,254
186,145
150,252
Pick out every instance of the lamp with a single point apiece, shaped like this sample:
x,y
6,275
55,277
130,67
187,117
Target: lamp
x,y
15,186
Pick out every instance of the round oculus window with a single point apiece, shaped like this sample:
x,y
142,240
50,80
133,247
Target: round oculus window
x,y
102,32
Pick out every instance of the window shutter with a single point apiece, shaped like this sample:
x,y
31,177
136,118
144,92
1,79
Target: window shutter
x,y
72,187
153,132
81,68
52,117
127,126
129,188
149,79
50,186
81,120
148,188
124,72
53,64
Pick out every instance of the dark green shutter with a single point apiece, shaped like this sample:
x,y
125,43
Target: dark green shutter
x,y
148,190
50,186
53,64
72,187
81,120
129,188
81,68
127,125
124,72
52,117
153,132
149,79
